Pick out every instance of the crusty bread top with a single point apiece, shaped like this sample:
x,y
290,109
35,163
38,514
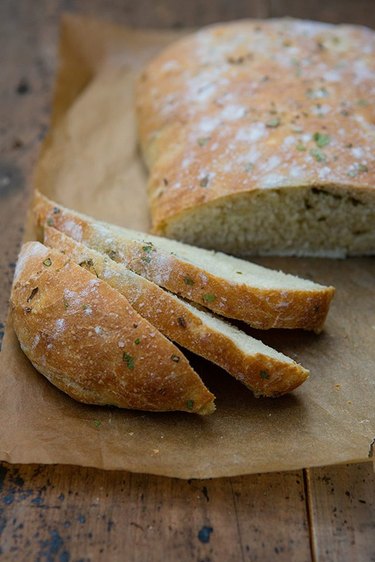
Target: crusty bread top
x,y
229,286
258,105
87,340
262,369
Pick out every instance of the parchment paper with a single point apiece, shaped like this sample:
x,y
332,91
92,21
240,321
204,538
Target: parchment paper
x,y
90,162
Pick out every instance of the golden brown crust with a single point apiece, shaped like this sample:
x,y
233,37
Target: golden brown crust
x,y
89,342
255,105
263,374
259,307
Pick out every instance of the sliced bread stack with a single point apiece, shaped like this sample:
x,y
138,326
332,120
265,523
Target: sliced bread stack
x,y
75,316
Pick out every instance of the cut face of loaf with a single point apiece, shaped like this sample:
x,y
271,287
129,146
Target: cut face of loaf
x,y
228,286
262,369
259,137
89,342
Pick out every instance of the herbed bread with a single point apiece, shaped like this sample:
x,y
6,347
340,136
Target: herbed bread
x,y
259,137
229,286
262,369
88,341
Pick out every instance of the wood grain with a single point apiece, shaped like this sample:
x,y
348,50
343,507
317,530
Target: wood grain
x,y
66,514
334,11
27,69
71,514
342,511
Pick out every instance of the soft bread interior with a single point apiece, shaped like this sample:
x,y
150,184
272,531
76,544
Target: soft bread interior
x,y
309,221
234,270
248,345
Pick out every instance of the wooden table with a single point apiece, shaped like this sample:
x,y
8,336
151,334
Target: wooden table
x,y
71,514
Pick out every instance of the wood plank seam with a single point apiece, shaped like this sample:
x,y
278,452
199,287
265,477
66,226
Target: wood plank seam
x,y
309,514
237,521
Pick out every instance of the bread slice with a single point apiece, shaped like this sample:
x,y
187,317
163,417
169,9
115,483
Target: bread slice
x,y
228,286
88,341
259,138
262,369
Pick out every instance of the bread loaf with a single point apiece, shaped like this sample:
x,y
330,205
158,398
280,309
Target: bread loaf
x,y
259,137
262,369
89,342
228,286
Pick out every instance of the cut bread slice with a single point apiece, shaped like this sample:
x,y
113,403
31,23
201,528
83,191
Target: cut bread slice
x,y
262,369
85,337
229,286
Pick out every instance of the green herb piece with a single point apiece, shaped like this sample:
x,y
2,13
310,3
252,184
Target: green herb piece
x,y
66,304
239,272
137,341
112,254
357,169
175,358
317,93
273,123
209,297
300,147
47,262
362,168
97,423
264,375
318,155
181,321
86,264
203,141
249,167
50,221
85,307
204,181
149,247
321,139
297,66
362,103
190,404
188,281
89,263
129,360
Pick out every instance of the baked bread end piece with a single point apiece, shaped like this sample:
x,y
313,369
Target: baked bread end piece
x,y
89,342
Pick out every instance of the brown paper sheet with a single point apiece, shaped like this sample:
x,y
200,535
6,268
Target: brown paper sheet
x,y
90,162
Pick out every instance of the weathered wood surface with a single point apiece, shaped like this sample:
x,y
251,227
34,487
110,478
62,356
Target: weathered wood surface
x,y
71,514
341,502
66,513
